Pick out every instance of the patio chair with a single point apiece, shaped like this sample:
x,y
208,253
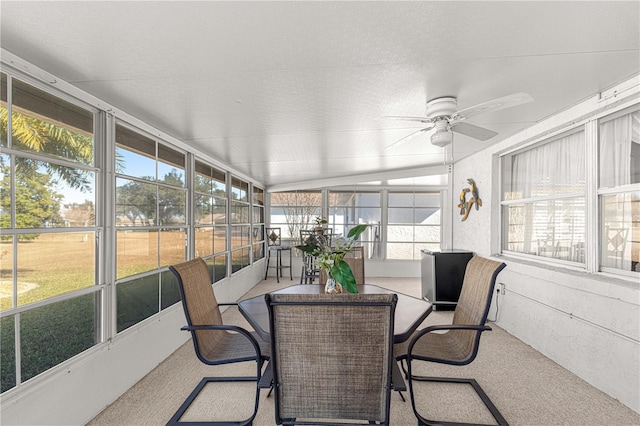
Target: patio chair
x,y
214,342
458,345
331,357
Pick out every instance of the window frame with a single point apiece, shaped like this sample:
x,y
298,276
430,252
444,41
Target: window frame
x,y
122,283
95,291
602,192
416,250
286,227
593,214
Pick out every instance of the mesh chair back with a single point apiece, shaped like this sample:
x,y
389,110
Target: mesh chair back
x,y
332,355
474,302
200,307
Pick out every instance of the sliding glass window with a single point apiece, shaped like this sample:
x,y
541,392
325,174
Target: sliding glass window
x,y
150,217
49,247
349,208
619,192
294,211
211,225
257,223
414,222
543,199
240,224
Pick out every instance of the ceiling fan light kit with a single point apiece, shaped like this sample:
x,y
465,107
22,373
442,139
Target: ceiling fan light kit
x,y
441,138
443,135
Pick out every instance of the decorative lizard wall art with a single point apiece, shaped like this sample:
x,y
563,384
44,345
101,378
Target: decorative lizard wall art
x,y
465,206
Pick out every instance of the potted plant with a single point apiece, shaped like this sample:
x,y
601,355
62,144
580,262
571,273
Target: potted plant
x,y
320,221
331,257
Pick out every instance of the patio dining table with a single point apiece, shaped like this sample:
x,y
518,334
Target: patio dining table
x,y
410,313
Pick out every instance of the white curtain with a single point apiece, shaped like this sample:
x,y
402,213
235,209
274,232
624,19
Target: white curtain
x,y
616,139
554,168
552,228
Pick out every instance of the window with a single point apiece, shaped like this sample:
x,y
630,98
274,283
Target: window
x,y
48,242
544,202
619,154
294,211
240,224
258,223
211,226
151,225
54,202
348,209
413,224
544,199
411,219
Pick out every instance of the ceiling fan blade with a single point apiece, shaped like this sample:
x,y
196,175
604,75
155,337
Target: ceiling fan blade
x,y
494,105
420,119
473,131
408,137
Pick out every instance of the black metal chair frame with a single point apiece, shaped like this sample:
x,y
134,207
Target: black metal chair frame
x,y
259,358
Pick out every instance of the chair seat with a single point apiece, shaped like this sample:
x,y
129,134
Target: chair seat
x,y
445,347
232,347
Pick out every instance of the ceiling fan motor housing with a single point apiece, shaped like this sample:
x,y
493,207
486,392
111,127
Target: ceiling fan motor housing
x,y
446,106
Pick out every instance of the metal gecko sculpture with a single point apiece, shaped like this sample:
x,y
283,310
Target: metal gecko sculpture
x,y
465,206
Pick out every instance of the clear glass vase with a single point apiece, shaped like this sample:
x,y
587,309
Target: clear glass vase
x,y
332,287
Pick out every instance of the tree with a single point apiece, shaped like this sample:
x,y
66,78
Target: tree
x,y
37,204
171,202
300,208
137,200
35,134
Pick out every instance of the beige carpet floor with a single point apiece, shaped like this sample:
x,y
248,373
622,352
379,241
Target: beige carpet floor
x,y
528,388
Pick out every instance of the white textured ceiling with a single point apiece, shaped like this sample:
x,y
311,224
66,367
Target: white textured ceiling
x,y
293,92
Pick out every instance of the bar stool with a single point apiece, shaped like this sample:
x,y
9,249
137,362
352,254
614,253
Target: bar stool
x,y
274,243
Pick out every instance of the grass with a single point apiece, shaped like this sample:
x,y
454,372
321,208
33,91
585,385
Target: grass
x,y
44,264
56,264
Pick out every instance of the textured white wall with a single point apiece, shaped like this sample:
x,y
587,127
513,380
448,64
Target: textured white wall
x,y
587,323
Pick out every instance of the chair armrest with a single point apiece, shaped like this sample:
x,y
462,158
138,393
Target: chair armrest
x,y
235,328
453,327
426,330
436,303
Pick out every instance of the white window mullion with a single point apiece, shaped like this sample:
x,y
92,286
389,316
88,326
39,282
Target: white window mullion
x,y
108,262
384,223
592,211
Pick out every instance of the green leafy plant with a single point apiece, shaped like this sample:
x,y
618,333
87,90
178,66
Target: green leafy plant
x,y
330,257
320,221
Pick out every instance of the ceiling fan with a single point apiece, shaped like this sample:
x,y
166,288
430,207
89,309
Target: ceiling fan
x,y
443,115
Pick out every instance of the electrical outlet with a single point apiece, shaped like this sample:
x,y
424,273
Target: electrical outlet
x,y
501,289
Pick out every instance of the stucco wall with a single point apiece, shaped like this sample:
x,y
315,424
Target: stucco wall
x,y
588,323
